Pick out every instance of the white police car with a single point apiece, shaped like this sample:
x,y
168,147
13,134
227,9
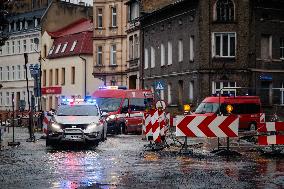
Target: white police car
x,y
76,121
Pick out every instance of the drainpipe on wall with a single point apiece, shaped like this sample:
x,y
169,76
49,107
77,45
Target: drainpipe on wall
x,y
85,77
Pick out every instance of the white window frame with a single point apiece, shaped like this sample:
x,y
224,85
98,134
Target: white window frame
x,y
19,75
73,46
31,45
25,45
19,46
8,73
7,98
21,25
13,47
146,58
15,26
26,25
8,47
170,53
13,73
1,51
113,55
100,18
180,50
221,34
1,99
163,55
216,90
136,46
100,55
114,17
153,57
131,47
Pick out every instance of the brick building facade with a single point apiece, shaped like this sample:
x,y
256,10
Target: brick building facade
x,y
196,48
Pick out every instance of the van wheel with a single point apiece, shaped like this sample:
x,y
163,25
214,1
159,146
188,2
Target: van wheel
x,y
252,127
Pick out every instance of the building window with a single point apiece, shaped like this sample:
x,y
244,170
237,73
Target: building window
x,y
10,27
153,57
19,46
134,11
13,47
113,55
163,54
169,93
224,45
100,18
56,76
217,86
58,48
15,26
31,45
1,99
8,48
25,45
1,51
19,72
146,58
73,46
26,25
225,11
180,50
100,55
13,73
190,92
7,98
8,73
24,71
73,75
191,48
36,44
44,51
266,46
131,47
282,48
136,46
63,76
64,47
21,25
113,17
170,53
44,78
50,77
1,74
36,22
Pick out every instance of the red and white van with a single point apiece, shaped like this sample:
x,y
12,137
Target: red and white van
x,y
123,108
247,108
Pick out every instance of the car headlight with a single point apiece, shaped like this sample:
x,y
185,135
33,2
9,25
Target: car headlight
x,y
55,126
92,126
111,117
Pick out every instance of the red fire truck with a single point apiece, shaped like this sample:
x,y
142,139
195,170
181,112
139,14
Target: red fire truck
x,y
247,108
123,109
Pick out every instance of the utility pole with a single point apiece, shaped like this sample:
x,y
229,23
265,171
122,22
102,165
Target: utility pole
x,y
31,139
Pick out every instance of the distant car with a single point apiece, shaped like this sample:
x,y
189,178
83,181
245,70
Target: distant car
x,y
76,123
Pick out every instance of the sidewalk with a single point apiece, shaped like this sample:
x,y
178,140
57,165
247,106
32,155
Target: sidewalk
x,y
21,135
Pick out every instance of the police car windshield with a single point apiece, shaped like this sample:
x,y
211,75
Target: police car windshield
x,y
108,104
77,110
206,107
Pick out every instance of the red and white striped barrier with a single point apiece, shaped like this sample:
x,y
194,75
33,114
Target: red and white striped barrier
x,y
262,118
271,139
271,126
207,126
46,120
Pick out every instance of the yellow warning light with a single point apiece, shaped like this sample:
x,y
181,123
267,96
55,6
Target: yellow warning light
x,y
186,107
229,108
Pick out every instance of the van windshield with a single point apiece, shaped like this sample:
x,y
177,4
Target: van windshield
x,y
205,107
109,104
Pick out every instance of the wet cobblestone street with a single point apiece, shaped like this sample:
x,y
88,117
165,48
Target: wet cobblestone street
x,y
121,162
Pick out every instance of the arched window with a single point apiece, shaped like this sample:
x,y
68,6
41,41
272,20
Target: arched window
x,y
225,10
